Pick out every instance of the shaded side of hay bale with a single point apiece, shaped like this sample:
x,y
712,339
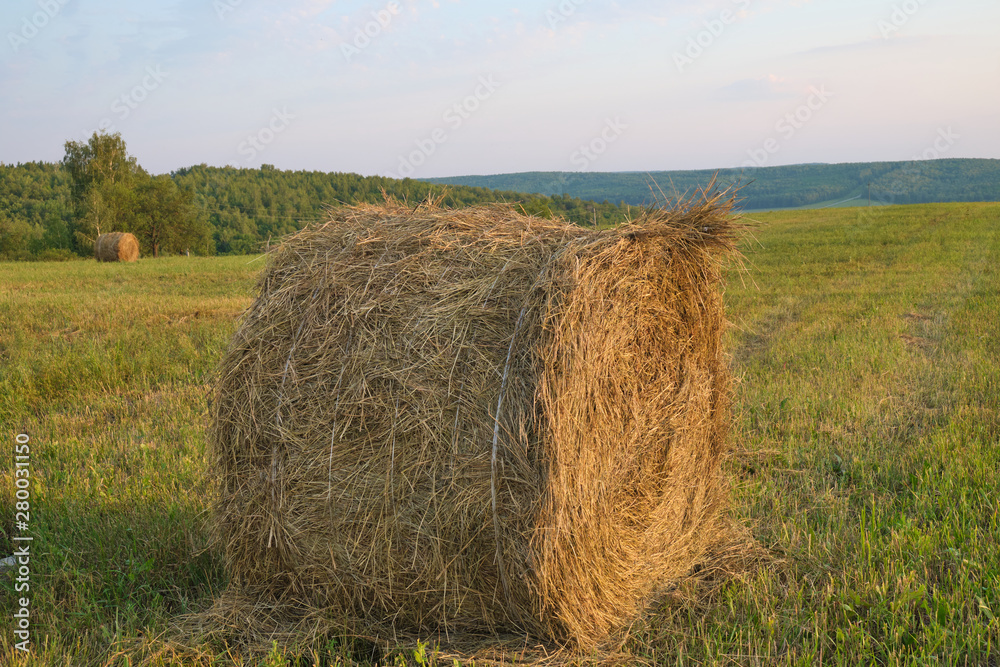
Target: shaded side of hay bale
x,y
476,419
116,247
354,428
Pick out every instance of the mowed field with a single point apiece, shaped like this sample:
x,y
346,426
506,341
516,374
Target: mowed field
x,y
866,431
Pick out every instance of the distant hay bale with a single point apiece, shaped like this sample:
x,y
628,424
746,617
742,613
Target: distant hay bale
x,y
477,420
116,247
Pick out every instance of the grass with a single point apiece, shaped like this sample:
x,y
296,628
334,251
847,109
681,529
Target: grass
x,y
104,366
866,344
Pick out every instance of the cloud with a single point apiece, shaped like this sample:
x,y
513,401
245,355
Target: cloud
x,y
872,44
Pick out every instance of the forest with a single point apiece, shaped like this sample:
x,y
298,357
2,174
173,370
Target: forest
x,y
54,211
248,207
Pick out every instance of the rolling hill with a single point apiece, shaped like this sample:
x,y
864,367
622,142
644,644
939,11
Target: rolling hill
x,y
792,186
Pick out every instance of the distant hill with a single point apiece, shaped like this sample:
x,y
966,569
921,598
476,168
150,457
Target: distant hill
x,y
793,186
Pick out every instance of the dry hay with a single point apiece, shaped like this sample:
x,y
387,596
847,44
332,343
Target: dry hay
x,y
116,247
441,420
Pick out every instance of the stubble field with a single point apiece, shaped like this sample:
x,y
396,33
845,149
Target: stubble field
x,y
866,433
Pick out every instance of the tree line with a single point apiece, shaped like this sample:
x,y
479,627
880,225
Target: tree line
x,y
57,210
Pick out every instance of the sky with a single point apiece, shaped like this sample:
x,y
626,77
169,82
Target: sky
x,y
426,88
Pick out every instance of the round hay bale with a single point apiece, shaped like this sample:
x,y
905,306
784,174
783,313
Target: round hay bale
x,y
116,247
475,419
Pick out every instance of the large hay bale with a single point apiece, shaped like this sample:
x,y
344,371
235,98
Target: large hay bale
x,y
475,419
116,247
